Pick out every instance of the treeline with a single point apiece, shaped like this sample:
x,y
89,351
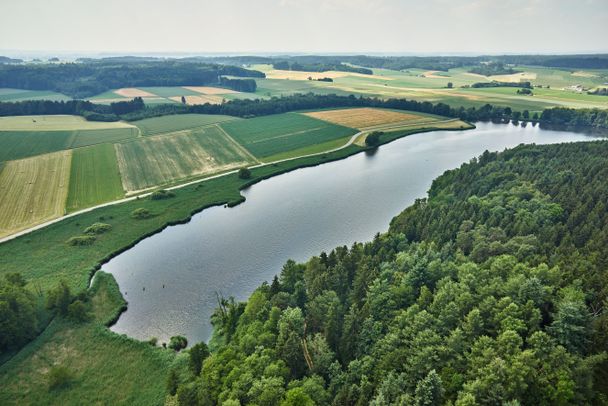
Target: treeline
x,y
490,292
6,59
80,80
492,68
600,91
495,83
320,67
137,110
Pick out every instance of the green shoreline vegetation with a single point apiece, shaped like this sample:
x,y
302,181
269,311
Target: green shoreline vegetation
x,y
41,259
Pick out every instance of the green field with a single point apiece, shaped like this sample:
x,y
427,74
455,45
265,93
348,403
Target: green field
x,y
23,144
16,95
167,124
169,91
105,368
162,160
94,177
55,123
279,133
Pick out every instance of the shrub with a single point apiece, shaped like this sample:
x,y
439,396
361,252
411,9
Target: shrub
x,y
244,173
153,341
177,343
97,228
81,240
59,377
373,138
162,194
77,311
141,213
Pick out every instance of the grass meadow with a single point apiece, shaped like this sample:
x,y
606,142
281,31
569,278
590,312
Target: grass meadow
x,y
94,177
270,135
167,124
105,368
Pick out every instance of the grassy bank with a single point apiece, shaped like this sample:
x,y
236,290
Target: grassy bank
x,y
102,367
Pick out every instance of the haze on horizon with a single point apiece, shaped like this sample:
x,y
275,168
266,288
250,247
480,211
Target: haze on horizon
x,y
305,26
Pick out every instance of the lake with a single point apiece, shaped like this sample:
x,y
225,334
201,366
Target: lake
x,y
170,279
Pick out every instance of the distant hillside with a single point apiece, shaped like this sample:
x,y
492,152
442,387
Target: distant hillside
x,y
6,59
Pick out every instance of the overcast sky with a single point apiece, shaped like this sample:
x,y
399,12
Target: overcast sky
x,y
305,26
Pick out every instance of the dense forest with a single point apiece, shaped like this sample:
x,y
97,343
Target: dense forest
x,y
493,68
137,110
492,291
494,83
80,80
320,67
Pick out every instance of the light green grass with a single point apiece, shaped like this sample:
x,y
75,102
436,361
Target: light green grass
x,y
108,135
16,95
279,133
169,91
55,123
22,144
106,368
154,161
178,122
94,177
309,150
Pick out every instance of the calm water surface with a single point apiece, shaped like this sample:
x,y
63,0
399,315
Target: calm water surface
x,y
295,215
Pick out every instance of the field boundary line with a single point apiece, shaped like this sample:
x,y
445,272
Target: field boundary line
x,y
239,146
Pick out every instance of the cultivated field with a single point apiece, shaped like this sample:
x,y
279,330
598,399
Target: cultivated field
x,y
199,99
279,133
23,144
179,122
132,92
94,178
363,118
210,90
165,159
33,190
16,95
55,123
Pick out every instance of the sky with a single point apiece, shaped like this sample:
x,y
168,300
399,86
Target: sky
x,y
305,26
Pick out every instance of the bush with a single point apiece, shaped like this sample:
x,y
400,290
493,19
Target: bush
x,y
97,228
81,240
177,343
141,213
373,138
244,173
162,194
153,341
77,311
59,377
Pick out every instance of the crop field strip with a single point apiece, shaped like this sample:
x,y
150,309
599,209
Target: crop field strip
x,y
179,122
33,190
366,117
55,123
94,177
271,135
164,159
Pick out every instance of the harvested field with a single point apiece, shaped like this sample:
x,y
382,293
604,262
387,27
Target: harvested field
x,y
432,74
94,178
133,92
178,122
33,190
201,99
515,77
164,159
210,90
298,75
55,123
366,117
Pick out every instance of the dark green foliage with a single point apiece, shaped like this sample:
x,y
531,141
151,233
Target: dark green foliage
x,y
523,85
59,377
178,343
492,68
373,138
141,214
172,382
198,353
18,312
320,67
162,194
525,91
77,311
244,173
491,291
59,298
97,228
93,77
600,91
81,240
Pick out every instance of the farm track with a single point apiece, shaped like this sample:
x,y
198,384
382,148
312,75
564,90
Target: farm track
x,y
352,140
